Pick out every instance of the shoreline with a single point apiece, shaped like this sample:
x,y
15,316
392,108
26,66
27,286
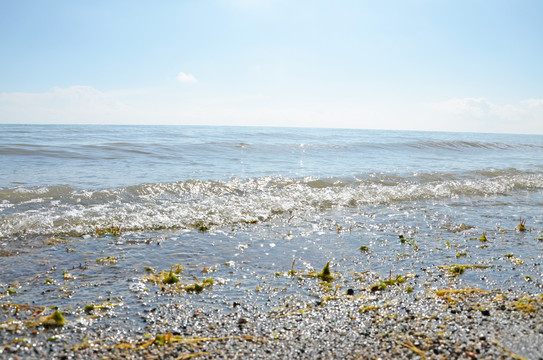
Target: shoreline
x,y
417,289
387,324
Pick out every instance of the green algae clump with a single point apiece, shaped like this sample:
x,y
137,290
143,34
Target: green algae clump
x,y
483,238
457,270
199,287
378,286
55,319
325,274
522,226
170,278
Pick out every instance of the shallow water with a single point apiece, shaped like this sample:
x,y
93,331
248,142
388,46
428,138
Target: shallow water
x,y
270,198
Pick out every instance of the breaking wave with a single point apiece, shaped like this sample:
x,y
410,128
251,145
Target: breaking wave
x,y
185,204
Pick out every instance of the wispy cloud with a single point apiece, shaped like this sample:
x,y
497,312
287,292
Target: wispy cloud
x,y
481,107
71,104
186,78
481,114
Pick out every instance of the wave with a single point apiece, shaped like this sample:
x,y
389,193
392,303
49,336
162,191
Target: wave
x,y
191,203
155,150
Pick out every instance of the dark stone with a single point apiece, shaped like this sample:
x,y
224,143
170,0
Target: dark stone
x,y
350,292
485,312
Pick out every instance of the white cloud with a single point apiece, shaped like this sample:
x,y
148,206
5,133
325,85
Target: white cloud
x,y
481,108
75,104
480,114
186,78
86,104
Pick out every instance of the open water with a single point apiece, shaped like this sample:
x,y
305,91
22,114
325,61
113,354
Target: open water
x,y
61,179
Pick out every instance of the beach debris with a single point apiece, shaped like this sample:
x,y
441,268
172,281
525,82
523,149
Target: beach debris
x,y
408,241
382,284
483,238
452,296
525,304
509,352
108,259
409,344
292,272
522,226
67,276
170,278
105,305
112,230
457,269
202,227
55,319
364,248
199,287
325,274
53,241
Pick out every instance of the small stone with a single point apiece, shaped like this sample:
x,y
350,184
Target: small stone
x,y
485,312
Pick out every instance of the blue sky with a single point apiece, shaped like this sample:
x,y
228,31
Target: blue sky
x,y
412,65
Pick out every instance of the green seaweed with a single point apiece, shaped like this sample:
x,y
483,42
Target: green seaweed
x,y
194,288
201,227
55,319
378,286
170,278
522,226
197,287
113,230
364,248
483,238
457,269
325,274
399,280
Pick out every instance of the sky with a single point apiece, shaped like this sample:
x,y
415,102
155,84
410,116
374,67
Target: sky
x,y
433,65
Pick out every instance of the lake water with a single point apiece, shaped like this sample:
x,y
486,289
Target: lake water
x,y
61,179
267,198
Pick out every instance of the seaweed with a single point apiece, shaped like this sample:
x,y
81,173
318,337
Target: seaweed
x,y
197,287
525,304
105,305
457,269
325,274
522,226
109,259
483,238
378,286
409,344
55,319
112,230
200,226
364,248
170,278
